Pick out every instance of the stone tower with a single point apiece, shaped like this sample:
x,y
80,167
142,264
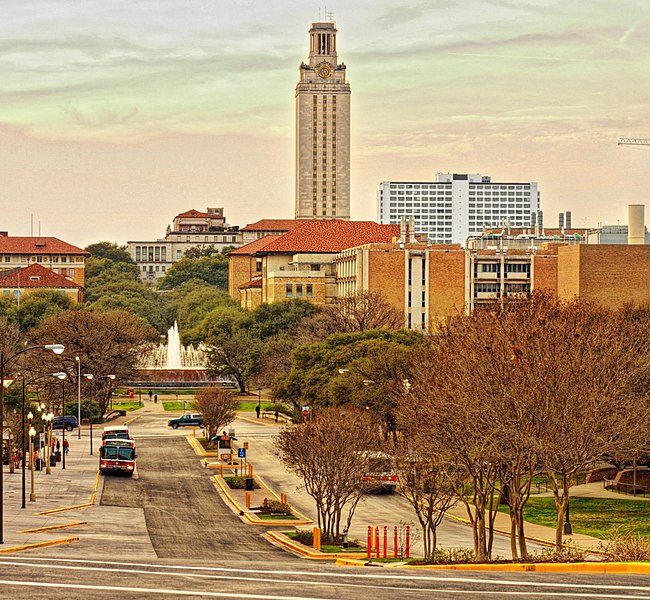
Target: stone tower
x,y
322,130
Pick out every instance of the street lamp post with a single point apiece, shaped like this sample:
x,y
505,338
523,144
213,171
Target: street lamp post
x,y
32,433
78,395
89,377
57,349
22,438
259,402
62,376
48,418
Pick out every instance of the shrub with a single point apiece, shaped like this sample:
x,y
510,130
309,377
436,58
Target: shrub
x,y
557,555
235,482
626,546
275,506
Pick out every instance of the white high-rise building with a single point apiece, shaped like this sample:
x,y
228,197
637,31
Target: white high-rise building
x,y
458,205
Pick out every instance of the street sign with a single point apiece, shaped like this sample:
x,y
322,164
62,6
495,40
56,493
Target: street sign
x,y
241,452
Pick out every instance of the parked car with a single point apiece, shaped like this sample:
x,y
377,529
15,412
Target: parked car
x,y
187,420
70,423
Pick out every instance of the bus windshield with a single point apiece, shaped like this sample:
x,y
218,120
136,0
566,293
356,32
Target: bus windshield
x,y
117,453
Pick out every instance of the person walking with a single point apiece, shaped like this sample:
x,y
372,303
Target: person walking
x,y
66,446
150,394
155,398
257,410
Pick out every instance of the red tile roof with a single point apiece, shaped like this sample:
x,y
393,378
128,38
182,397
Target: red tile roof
x,y
196,214
34,276
273,225
253,246
256,282
330,236
37,245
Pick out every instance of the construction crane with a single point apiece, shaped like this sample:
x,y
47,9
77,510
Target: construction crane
x,y
633,142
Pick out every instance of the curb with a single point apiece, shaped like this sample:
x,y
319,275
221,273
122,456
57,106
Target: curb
x,y
198,449
52,527
129,421
38,545
306,552
253,521
257,421
586,567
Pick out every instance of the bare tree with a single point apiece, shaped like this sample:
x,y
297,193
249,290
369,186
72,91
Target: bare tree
x,y
326,452
218,408
430,485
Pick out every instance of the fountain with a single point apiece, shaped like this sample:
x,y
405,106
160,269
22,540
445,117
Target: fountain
x,y
172,362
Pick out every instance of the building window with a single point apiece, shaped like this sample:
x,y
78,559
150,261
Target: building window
x,y
299,290
71,272
137,253
163,254
289,290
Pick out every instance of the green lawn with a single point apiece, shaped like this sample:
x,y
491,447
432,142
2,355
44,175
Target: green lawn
x,y
178,405
597,517
126,405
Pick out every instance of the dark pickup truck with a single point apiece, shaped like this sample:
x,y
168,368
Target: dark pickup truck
x,y
187,420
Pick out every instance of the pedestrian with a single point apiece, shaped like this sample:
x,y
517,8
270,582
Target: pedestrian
x,y
66,447
257,410
155,398
150,394
58,445
277,415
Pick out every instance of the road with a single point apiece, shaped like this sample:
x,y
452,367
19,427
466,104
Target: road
x,y
167,533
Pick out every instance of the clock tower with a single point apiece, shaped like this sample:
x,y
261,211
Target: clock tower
x,y
322,130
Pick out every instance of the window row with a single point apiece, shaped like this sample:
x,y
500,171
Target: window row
x,y
296,290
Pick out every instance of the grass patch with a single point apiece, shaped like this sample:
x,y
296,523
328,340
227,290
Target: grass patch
x,y
268,517
306,538
597,517
188,405
128,406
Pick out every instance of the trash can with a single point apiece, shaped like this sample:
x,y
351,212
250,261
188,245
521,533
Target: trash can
x,y
57,455
38,464
249,484
52,461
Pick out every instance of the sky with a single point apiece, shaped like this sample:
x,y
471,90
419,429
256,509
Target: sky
x,y
116,116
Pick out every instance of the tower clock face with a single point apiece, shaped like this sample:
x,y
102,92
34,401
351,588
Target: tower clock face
x,y
324,71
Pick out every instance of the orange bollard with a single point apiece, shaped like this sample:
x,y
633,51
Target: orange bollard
x,y
408,542
369,544
221,470
385,539
248,499
316,543
283,498
250,470
377,541
395,541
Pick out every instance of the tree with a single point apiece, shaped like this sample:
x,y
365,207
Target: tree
x,y
40,305
211,250
315,376
110,251
430,485
210,269
540,385
218,408
232,349
107,343
362,311
325,452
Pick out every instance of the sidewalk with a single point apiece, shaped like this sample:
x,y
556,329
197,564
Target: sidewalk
x,y
74,486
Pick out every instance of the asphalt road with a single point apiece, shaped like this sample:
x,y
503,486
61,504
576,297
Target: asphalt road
x,y
184,515
167,533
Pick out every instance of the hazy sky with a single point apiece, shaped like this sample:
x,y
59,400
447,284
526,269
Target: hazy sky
x,y
116,115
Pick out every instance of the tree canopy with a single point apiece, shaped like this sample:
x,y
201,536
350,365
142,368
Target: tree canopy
x,y
110,251
211,269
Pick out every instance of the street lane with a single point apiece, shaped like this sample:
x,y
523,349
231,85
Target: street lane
x,y
32,577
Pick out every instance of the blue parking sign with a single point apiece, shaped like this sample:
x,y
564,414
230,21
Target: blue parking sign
x,y
241,452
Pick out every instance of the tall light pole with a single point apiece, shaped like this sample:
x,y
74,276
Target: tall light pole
x,y
78,395
57,349
48,418
32,433
89,377
62,376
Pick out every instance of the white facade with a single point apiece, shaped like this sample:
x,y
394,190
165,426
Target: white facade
x,y
456,206
191,229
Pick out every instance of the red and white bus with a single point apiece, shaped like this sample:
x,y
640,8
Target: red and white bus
x,y
117,456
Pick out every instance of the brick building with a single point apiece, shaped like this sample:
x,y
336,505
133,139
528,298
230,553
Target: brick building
x,y
20,282
18,252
